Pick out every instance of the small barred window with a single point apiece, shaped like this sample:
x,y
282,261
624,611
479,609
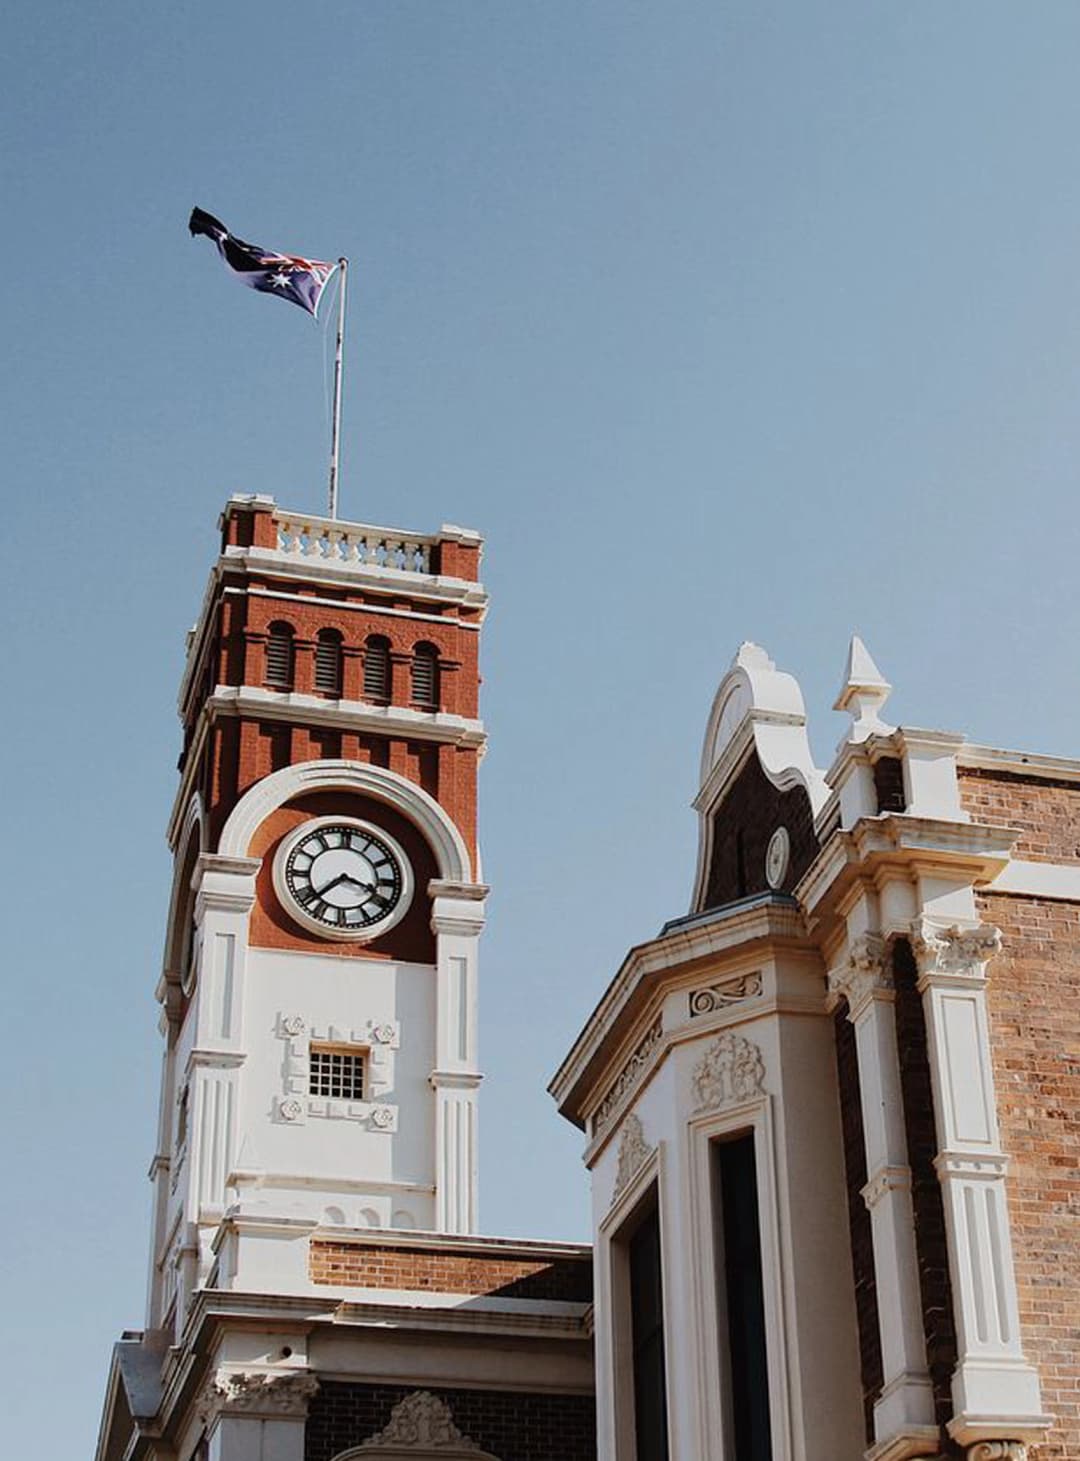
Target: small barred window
x,y
377,669
280,657
337,1071
425,676
328,662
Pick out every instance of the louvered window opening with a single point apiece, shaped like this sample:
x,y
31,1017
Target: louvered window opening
x,y
279,659
328,664
425,677
377,670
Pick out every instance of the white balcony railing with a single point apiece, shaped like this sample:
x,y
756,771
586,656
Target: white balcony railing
x,y
352,543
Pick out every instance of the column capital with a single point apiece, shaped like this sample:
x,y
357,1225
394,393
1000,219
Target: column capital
x,y
867,975
997,1451
952,954
261,1393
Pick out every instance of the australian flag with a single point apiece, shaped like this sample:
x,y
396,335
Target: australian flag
x,y
301,281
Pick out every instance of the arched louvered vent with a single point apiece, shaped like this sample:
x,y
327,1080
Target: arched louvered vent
x,y
377,669
280,657
328,662
425,676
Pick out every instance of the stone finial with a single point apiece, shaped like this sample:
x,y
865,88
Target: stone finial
x,y
864,693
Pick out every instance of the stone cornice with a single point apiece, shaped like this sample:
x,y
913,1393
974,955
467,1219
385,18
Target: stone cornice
x,y
771,920
968,851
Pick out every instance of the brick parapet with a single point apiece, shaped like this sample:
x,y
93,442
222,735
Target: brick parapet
x,y
1045,812
435,1268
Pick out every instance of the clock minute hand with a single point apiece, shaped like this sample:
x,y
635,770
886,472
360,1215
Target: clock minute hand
x,y
341,878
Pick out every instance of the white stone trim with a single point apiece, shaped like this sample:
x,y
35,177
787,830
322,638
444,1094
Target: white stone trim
x,y
387,786
377,1041
1055,880
754,1118
295,706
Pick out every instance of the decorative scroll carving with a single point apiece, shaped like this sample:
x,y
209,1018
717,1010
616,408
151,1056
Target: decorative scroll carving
x,y
731,1070
293,1024
246,1392
959,952
421,1422
634,1152
723,995
628,1076
997,1451
866,973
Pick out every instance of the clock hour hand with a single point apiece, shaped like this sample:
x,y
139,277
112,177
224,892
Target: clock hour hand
x,y
341,878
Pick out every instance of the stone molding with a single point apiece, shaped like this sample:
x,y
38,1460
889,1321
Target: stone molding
x,y
866,975
724,994
952,954
421,1424
731,1070
283,1393
629,1075
997,1451
634,1152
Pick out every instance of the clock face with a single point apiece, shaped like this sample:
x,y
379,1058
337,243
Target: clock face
x,y
343,878
777,857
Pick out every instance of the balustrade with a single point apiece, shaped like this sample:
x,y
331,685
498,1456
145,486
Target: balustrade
x,y
349,543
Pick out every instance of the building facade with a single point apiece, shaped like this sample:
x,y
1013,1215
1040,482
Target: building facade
x,y
831,1114
317,1287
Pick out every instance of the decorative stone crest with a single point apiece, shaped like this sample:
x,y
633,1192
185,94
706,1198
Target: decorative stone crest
x,y
383,1117
726,993
246,1392
954,951
730,1071
421,1422
291,1109
866,973
634,1152
628,1076
293,1024
997,1451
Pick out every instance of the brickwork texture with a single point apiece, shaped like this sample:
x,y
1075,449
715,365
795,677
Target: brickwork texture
x,y
380,1266
1034,1001
511,1425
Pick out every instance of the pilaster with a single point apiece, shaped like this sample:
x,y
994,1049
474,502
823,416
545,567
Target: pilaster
x,y
995,1391
457,920
904,1412
256,1415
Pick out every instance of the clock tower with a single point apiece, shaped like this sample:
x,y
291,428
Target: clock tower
x,y
320,975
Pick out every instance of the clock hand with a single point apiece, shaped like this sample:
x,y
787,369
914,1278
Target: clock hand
x,y
341,878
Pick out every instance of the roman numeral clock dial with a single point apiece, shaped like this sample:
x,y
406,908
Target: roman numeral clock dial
x,y
343,879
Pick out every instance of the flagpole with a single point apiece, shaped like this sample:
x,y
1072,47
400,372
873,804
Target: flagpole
x,y
335,437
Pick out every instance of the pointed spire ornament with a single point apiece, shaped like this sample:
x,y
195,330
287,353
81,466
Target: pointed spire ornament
x,y
864,693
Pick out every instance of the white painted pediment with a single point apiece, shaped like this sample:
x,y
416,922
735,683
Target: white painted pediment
x,y
421,1428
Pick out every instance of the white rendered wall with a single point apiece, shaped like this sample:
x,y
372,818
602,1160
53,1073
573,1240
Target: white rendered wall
x,y
335,1155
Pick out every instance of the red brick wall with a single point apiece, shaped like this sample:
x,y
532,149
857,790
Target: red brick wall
x,y
271,928
381,1266
1034,1001
512,1425
1046,813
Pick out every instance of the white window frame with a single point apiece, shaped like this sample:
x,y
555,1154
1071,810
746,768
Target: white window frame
x,y
749,1118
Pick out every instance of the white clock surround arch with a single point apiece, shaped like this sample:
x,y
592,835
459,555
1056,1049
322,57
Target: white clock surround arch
x,y
446,842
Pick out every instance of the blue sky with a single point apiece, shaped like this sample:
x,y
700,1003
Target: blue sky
x,y
720,320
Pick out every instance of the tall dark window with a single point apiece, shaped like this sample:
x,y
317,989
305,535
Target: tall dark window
x,y
425,676
743,1297
328,662
280,657
647,1338
377,669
